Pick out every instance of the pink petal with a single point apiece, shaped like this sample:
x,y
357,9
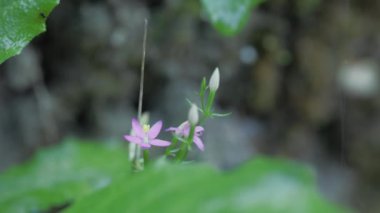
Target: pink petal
x,y
199,129
158,142
171,129
183,129
155,130
137,129
145,145
183,125
133,139
185,132
199,143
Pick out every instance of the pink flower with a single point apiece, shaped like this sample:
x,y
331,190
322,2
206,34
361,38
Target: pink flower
x,y
183,130
145,136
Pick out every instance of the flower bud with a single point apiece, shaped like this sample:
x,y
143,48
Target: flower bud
x,y
214,80
193,115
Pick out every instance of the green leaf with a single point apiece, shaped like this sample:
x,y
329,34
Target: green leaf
x,y
61,174
229,16
202,91
221,114
189,102
262,185
20,22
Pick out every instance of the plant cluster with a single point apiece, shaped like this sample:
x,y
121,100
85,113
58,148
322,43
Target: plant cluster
x,y
184,136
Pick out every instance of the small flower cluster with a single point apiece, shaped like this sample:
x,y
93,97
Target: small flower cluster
x,y
188,132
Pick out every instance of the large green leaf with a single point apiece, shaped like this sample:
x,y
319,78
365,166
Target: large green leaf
x,y
229,16
96,178
20,22
262,185
61,174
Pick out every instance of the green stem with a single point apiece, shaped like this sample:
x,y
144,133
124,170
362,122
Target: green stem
x,y
202,93
191,135
210,102
170,148
202,102
182,153
137,165
146,156
186,146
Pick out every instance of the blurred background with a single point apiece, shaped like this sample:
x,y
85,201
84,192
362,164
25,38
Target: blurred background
x,y
301,80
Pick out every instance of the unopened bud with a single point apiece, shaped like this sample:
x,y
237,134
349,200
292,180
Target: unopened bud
x,y
193,115
214,80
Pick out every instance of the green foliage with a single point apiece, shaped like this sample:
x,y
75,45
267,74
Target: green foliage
x,y
60,174
95,177
20,21
262,185
229,16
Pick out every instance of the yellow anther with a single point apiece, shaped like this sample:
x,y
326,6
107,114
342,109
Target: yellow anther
x,y
146,127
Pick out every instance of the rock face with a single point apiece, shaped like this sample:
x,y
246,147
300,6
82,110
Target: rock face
x,y
301,82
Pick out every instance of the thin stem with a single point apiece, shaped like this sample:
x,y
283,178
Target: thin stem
x,y
191,135
182,153
137,165
202,101
186,146
210,102
170,148
202,93
142,70
136,162
146,156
